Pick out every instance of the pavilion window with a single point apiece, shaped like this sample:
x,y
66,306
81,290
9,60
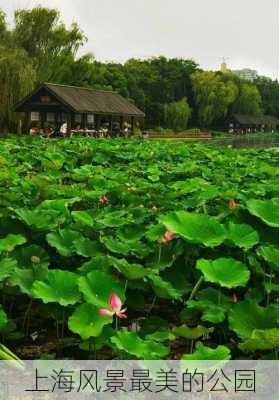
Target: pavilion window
x,y
35,116
63,117
50,117
78,118
90,121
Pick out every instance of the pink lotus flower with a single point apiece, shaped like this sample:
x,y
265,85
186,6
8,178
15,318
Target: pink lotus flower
x,y
168,236
115,305
104,199
233,204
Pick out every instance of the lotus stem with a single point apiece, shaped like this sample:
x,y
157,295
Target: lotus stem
x,y
7,355
159,254
152,304
196,288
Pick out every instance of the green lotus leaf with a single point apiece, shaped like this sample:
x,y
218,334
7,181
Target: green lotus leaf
x,y
60,205
83,173
131,233
226,272
132,344
7,266
164,289
247,316
114,219
208,193
162,259
116,246
161,336
212,303
87,248
155,232
242,235
8,243
97,286
58,287
130,271
87,322
206,353
266,339
24,278
103,263
83,217
32,255
271,287
192,333
3,319
190,185
41,219
270,254
99,342
266,210
53,160
139,249
197,228
64,241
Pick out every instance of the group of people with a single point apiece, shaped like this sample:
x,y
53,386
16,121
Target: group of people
x,y
247,130
102,132
35,131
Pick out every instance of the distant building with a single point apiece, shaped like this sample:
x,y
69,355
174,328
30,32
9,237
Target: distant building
x,y
224,67
247,74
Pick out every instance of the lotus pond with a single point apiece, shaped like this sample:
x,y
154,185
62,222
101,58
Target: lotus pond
x,y
132,249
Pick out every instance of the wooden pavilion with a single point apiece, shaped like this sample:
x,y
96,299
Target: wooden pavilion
x,y
259,123
52,104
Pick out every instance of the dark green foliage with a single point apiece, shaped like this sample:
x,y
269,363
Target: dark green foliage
x,y
177,115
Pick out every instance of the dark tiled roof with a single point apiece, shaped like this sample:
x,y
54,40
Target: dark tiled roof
x,y
89,100
245,119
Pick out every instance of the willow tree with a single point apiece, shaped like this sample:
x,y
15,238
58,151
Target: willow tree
x,y
17,78
47,41
213,92
249,100
177,115
3,26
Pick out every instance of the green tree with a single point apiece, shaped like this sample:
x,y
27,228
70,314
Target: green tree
x,y
157,81
214,92
46,39
3,25
17,76
249,100
269,90
177,115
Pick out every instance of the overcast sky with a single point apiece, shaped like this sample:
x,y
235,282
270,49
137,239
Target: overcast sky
x,y
243,31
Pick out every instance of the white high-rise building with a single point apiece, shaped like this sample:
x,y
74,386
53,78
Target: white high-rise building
x,y
247,74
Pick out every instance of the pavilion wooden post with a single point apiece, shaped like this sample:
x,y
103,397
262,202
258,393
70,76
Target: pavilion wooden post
x,y
27,121
69,123
110,123
97,118
19,126
43,119
84,121
121,123
133,124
